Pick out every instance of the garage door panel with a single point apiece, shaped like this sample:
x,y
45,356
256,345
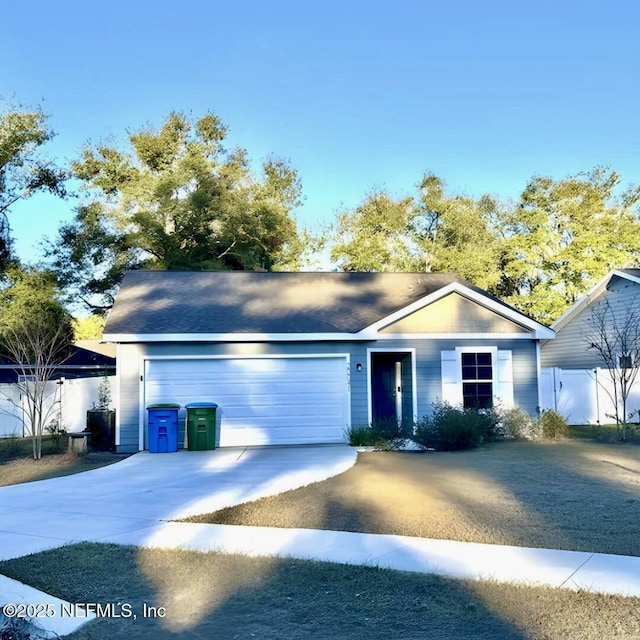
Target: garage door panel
x,y
261,400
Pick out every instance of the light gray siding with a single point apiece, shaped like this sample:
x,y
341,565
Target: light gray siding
x,y
428,371
428,368
569,350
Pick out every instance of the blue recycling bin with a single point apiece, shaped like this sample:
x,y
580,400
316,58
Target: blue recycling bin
x,y
163,428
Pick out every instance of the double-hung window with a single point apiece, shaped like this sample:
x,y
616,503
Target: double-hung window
x,y
477,376
477,380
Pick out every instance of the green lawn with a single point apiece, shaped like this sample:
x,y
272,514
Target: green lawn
x,y
604,432
228,596
565,495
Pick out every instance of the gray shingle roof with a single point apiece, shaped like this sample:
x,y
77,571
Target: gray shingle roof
x,y
177,302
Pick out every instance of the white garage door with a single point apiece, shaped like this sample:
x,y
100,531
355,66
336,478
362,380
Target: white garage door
x,y
261,400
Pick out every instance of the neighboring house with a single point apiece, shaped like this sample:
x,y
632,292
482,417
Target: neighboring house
x,y
574,379
295,358
71,391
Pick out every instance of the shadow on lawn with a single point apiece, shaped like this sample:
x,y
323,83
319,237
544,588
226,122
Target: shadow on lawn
x,y
224,596
577,496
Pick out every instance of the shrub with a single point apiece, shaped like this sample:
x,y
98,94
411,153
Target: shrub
x,y
11,447
55,431
360,436
489,422
425,434
517,424
382,434
451,428
552,425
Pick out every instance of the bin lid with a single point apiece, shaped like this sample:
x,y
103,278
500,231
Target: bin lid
x,y
201,405
163,406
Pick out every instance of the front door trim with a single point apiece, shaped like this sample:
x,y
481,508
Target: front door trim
x,y
414,393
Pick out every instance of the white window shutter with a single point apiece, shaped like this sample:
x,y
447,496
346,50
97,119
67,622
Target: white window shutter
x,y
504,392
451,377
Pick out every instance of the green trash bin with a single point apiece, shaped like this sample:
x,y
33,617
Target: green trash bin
x,y
201,426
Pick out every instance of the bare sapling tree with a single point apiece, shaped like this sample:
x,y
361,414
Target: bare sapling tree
x,y
36,348
615,336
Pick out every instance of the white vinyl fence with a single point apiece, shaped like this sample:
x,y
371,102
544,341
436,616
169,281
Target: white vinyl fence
x,y
584,396
67,403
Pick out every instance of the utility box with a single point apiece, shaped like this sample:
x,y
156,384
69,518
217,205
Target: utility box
x,y
163,428
201,426
102,425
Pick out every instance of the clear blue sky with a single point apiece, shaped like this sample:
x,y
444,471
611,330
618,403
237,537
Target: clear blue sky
x,y
356,95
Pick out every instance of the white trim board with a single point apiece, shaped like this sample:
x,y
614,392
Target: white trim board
x,y
313,337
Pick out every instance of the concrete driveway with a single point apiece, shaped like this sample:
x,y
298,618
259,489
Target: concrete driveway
x,y
146,489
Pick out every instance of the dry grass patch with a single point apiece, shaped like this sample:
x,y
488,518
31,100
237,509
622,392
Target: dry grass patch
x,y
228,596
569,495
17,464
52,466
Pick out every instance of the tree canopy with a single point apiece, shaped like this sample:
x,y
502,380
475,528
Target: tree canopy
x,y
564,235
31,303
377,235
428,231
23,171
175,199
538,254
35,335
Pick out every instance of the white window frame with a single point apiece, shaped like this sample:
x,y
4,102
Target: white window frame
x,y
502,374
494,370
460,351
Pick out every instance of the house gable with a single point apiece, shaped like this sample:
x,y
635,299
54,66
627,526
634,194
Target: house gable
x,y
570,349
453,313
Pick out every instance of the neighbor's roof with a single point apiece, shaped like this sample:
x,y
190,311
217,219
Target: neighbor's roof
x,y
80,363
243,302
633,275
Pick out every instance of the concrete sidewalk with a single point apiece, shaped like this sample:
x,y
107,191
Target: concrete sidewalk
x,y
566,569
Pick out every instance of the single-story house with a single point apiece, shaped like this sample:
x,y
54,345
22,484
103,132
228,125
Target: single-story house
x,y
576,380
295,358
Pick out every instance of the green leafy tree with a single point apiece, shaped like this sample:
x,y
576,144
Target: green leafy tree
x,y
428,231
23,171
563,236
377,236
88,327
459,233
175,199
539,254
35,335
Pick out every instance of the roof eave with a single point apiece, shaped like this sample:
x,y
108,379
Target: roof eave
x,y
590,296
